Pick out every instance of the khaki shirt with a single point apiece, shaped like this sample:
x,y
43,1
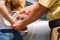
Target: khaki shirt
x,y
53,8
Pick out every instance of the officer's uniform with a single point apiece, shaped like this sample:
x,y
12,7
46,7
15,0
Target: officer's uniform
x,y
53,15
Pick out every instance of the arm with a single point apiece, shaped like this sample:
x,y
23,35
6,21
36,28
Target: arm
x,y
36,13
38,10
4,13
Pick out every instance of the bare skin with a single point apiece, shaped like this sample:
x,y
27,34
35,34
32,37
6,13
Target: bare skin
x,y
4,12
32,13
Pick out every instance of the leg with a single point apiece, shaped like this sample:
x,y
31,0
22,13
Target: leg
x,y
55,33
6,36
39,29
10,34
17,35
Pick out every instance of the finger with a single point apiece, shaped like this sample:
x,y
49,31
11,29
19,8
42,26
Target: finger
x,y
21,11
20,29
21,16
25,12
16,28
15,25
24,15
24,29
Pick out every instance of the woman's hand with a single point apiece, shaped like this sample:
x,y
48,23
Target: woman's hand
x,y
18,26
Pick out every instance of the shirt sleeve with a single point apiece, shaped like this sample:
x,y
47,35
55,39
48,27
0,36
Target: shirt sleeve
x,y
47,3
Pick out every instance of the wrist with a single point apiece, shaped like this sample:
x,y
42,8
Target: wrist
x,y
12,21
23,23
36,6
41,7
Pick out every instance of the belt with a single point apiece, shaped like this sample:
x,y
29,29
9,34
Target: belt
x,y
54,23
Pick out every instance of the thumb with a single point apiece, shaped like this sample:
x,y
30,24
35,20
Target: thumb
x,y
14,25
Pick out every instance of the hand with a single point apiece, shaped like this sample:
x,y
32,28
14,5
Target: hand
x,y
18,26
22,14
29,11
25,12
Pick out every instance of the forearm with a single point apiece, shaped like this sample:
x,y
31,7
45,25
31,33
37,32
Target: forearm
x,y
4,13
36,13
